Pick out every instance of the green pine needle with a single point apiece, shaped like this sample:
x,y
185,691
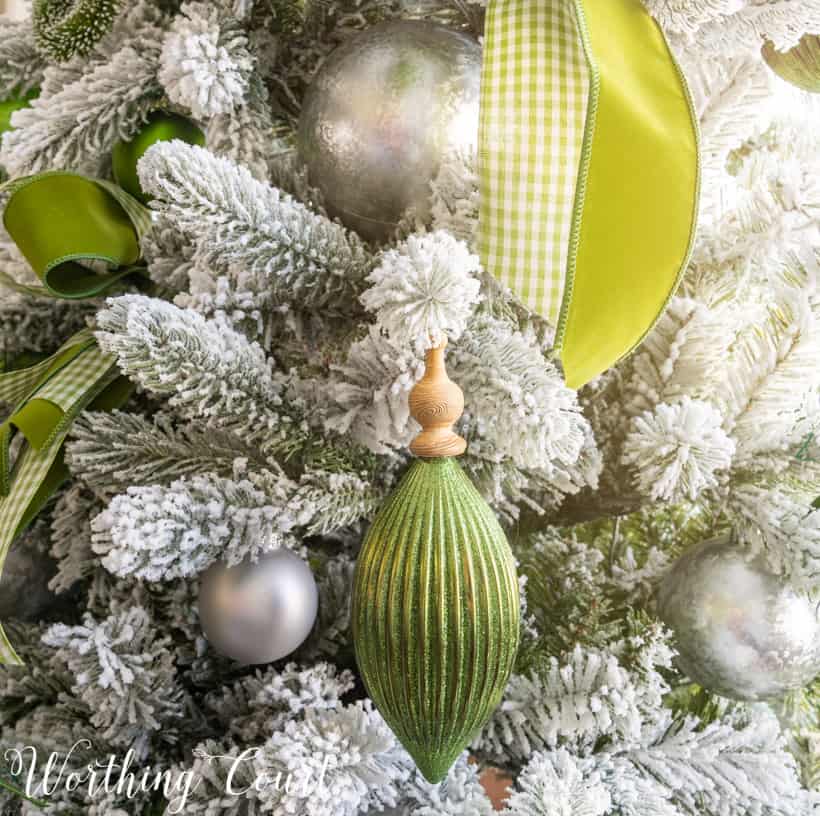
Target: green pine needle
x,y
17,792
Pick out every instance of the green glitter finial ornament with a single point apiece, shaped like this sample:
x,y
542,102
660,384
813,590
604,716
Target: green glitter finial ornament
x,y
435,601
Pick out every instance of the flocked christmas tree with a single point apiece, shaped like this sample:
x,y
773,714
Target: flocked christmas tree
x,y
273,350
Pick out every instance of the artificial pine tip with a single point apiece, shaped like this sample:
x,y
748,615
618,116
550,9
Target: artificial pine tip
x,y
71,29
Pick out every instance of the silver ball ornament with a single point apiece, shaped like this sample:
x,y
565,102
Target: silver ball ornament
x,y
261,611
741,630
381,113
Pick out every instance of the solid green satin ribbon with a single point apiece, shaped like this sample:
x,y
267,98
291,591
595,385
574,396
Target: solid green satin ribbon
x,y
635,225
589,171
59,220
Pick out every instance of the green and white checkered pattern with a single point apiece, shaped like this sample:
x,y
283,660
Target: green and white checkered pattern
x,y
71,383
70,388
17,385
30,472
534,95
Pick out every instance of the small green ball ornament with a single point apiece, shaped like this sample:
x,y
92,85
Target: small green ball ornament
x,y
435,599
160,127
800,66
14,103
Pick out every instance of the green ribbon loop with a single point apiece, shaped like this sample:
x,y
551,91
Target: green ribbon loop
x,y
40,413
589,171
16,384
60,221
78,376
67,227
35,418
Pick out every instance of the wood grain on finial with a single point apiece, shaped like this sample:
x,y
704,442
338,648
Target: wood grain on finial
x,y
437,403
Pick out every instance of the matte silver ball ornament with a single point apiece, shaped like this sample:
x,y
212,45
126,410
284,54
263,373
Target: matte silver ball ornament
x,y
381,113
261,611
741,630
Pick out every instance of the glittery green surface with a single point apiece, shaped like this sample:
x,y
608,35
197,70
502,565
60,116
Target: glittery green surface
x,y
436,613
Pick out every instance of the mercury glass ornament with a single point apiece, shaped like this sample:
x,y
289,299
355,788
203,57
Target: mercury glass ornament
x,y
741,631
381,113
258,611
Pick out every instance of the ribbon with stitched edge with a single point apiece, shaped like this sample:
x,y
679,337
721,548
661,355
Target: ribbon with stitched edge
x,y
62,221
81,236
47,398
589,171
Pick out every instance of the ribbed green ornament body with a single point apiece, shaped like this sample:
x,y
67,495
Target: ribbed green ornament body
x,y
436,613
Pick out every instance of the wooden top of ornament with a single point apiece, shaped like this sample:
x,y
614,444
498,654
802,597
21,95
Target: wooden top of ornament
x,y
437,403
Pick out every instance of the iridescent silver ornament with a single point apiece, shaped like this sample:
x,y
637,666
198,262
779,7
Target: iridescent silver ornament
x,y
381,113
741,631
261,611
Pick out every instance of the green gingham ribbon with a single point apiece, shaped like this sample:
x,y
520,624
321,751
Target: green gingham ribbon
x,y
589,170
81,236
42,394
79,374
535,88
62,221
